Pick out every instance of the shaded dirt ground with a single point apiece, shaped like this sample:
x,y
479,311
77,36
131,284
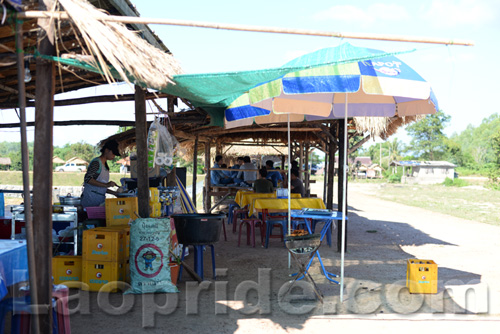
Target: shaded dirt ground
x,y
381,237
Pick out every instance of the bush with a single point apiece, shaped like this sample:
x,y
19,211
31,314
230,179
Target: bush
x,y
455,182
394,178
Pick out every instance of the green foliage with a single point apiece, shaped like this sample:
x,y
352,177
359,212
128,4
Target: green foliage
x,y
12,150
480,145
494,176
428,140
81,150
394,178
455,182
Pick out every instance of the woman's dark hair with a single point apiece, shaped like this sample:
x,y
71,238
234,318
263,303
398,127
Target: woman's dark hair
x,y
111,145
218,158
247,159
263,172
295,172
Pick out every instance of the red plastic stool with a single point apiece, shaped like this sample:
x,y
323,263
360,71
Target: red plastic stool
x,y
239,213
251,224
60,293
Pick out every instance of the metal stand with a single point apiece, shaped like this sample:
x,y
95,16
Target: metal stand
x,y
302,249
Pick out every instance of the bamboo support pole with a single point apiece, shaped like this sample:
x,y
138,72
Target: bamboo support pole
x,y
240,27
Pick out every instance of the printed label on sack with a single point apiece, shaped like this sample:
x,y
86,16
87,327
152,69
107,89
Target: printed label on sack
x,y
149,260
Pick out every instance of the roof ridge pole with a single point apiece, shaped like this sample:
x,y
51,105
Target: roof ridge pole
x,y
240,27
35,324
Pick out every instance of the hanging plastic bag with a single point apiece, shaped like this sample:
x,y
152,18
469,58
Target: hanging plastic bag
x,y
152,143
166,148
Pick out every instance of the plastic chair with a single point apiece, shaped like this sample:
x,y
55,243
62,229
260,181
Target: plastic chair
x,y
251,224
60,293
198,260
239,213
22,306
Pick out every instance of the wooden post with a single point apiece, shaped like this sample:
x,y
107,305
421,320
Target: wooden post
x,y
171,178
42,168
332,148
35,324
307,173
208,199
283,161
195,169
142,152
341,135
325,174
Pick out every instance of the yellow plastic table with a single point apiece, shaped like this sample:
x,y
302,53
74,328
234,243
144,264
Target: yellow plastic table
x,y
247,198
260,204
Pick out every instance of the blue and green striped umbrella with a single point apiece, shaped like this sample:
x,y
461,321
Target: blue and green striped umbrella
x,y
377,84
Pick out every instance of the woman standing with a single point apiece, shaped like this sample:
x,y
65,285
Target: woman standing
x,y
96,180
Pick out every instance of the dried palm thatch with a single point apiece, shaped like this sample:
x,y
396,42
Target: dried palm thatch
x,y
112,43
383,127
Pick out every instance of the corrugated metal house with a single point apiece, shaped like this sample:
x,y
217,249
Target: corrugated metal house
x,y
425,172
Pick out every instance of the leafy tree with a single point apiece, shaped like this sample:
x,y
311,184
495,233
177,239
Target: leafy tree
x,y
428,140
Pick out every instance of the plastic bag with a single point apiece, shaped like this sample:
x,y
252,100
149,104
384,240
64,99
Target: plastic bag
x,y
163,144
149,256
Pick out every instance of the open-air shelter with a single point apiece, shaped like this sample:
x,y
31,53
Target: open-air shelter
x,y
61,63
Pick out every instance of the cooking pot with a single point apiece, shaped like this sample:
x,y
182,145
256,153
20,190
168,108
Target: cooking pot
x,y
69,200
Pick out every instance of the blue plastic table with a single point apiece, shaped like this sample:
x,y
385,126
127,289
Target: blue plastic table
x,y
13,264
328,218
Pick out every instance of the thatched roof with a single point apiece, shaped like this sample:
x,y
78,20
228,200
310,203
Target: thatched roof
x,y
57,160
69,42
113,44
77,160
5,161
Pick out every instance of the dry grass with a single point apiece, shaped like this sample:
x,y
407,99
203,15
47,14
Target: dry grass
x,y
472,203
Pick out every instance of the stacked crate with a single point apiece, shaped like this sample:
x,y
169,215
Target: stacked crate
x,y
67,270
104,258
121,211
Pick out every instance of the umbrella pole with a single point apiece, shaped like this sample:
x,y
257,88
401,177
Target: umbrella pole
x,y
289,185
344,201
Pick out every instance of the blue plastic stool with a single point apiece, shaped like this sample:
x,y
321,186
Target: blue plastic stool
x,y
270,224
230,213
18,306
198,259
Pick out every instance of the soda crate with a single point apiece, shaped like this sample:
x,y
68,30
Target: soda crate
x,y
126,238
103,244
121,211
421,276
66,268
97,275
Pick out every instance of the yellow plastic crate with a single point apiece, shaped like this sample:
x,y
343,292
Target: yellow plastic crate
x,y
126,238
421,276
66,269
101,244
121,211
97,275
154,210
154,195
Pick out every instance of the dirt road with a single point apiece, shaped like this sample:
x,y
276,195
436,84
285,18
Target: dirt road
x,y
382,235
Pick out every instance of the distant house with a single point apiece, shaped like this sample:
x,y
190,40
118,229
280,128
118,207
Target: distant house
x,y
425,172
5,162
364,161
374,171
